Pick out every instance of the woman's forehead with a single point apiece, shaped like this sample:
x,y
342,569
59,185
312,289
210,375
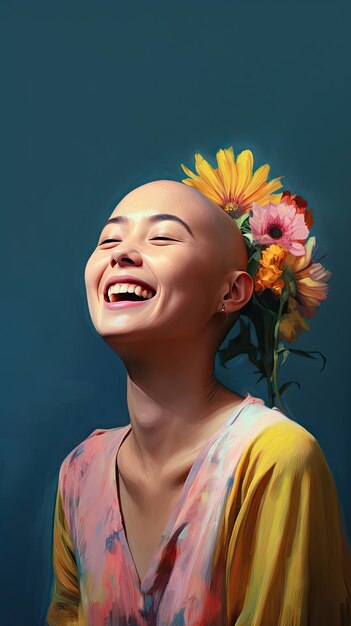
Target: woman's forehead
x,y
167,198
201,217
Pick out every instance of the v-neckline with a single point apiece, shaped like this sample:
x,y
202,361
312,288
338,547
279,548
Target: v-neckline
x,y
114,475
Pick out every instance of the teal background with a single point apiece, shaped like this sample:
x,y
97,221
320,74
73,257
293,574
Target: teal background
x,y
96,99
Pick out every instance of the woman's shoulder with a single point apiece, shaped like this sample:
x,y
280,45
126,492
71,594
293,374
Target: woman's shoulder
x,y
267,434
286,445
98,441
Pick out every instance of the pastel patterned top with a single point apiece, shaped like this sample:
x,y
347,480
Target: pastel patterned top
x,y
255,539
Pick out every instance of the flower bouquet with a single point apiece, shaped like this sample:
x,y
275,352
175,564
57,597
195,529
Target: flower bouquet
x,y
283,261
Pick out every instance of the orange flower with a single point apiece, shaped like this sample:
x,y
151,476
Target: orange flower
x,y
268,275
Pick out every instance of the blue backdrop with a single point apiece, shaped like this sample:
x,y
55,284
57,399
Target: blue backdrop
x,y
96,99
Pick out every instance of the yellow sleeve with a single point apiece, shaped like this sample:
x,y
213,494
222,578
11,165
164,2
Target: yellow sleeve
x,y
64,609
288,561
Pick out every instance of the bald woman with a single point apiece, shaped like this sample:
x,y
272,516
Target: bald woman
x,y
208,508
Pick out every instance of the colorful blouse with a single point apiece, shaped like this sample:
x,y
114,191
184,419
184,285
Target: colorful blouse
x,y
255,539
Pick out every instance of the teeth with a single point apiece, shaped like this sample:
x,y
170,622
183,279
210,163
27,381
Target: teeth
x,y
130,288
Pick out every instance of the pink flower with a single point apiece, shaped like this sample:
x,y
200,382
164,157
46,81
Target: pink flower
x,y
279,224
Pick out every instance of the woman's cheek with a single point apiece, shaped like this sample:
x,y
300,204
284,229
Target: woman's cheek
x,y
94,270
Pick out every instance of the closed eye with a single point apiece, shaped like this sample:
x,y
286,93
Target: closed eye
x,y
118,240
109,241
169,238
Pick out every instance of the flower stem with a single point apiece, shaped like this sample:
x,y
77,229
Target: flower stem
x,y
270,392
276,355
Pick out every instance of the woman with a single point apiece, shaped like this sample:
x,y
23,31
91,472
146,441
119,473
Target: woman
x,y
209,508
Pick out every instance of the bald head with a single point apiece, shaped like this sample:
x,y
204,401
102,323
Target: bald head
x,y
195,209
191,254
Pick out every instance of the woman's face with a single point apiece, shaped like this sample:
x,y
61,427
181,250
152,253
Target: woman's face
x,y
164,234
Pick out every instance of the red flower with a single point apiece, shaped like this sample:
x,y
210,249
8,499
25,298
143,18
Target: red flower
x,y
300,205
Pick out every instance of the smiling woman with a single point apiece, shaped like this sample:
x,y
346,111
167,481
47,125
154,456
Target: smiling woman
x,y
208,508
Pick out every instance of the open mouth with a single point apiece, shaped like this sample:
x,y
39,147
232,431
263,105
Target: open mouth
x,y
128,293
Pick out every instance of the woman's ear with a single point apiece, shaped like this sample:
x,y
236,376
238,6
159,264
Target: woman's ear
x,y
240,291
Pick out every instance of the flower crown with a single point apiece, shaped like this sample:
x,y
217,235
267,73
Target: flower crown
x,y
289,280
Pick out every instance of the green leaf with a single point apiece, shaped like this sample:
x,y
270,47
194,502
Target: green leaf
x,y
285,356
307,354
248,239
239,345
286,385
240,220
242,344
257,254
252,267
261,377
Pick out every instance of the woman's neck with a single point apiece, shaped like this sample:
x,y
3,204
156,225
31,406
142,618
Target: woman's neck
x,y
174,401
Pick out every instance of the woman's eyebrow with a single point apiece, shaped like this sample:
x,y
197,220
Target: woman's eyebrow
x,y
122,219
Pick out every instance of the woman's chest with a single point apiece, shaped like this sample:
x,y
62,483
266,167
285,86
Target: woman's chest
x,y
145,517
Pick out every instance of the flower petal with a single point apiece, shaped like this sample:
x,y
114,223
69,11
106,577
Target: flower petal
x,y
258,180
188,172
227,172
298,249
244,164
209,175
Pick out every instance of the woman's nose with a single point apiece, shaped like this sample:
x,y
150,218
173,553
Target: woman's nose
x,y
127,256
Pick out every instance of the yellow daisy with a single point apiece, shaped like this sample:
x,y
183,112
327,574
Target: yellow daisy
x,y
233,185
